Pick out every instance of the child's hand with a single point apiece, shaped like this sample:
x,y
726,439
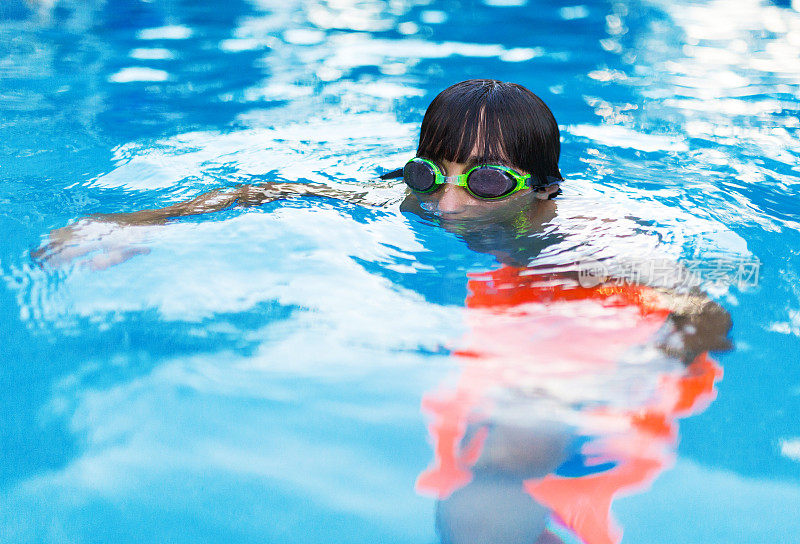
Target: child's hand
x,y
92,243
697,325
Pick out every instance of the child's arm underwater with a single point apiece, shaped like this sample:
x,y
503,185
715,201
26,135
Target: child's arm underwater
x,y
244,196
102,232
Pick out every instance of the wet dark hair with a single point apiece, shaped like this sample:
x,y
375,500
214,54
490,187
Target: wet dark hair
x,y
508,123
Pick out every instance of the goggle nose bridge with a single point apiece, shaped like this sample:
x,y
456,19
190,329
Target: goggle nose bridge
x,y
458,180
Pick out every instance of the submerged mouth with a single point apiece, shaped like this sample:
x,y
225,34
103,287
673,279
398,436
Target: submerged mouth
x,y
465,215
432,207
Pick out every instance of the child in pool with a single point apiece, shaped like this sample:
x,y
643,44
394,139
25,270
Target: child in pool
x,y
487,163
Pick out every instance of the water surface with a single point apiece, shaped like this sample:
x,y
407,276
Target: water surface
x,y
276,373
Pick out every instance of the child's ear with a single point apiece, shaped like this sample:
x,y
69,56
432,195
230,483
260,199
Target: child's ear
x,y
546,192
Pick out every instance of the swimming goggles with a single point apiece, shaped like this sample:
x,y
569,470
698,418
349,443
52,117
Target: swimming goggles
x,y
485,181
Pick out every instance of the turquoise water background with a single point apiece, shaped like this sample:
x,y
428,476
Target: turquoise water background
x,y
256,375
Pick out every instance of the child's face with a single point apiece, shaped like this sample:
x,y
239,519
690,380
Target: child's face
x,y
453,202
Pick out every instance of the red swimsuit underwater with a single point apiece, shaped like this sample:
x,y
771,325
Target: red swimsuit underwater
x,y
528,328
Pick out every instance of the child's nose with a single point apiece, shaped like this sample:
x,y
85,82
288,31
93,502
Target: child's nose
x,y
453,200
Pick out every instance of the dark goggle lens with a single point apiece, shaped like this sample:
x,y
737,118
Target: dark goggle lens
x,y
419,176
490,183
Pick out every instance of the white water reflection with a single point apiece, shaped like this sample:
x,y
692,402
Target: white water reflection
x,y
151,53
570,13
138,73
618,136
170,32
355,50
724,80
323,150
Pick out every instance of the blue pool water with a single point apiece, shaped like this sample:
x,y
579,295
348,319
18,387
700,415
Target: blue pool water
x,y
275,374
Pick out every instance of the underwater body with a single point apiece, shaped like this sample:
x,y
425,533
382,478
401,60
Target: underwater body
x,y
319,370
